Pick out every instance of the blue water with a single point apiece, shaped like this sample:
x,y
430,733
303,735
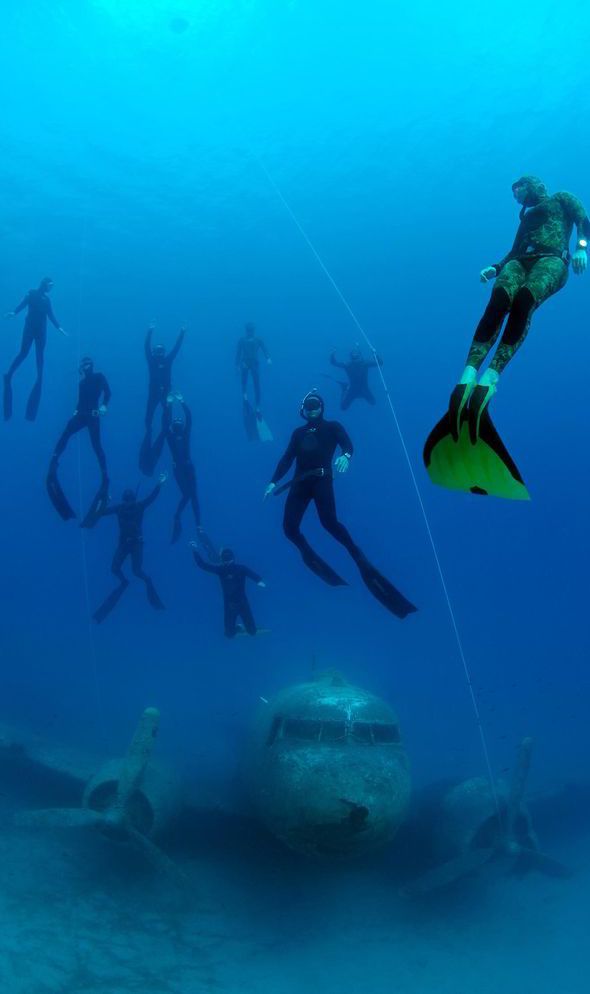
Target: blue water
x,y
138,142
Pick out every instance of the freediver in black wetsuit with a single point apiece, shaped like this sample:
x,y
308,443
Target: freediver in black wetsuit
x,y
130,517
357,371
177,434
232,577
94,394
249,345
160,372
39,309
312,447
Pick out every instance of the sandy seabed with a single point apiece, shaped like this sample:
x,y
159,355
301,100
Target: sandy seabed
x,y
79,914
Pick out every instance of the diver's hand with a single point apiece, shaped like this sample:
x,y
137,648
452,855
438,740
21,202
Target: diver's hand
x,y
183,327
269,361
9,314
102,410
163,477
194,546
152,325
261,583
342,463
579,261
487,274
269,490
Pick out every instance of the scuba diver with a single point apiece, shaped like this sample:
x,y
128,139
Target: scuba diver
x,y
94,394
39,309
312,447
357,371
535,268
160,372
130,517
232,577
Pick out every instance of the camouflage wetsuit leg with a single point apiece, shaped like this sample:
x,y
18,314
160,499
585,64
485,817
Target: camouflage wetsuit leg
x,y
521,287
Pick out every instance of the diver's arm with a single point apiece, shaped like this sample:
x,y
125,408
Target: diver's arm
x,y
263,349
20,307
251,574
150,497
147,345
176,349
285,460
106,390
376,361
239,351
335,361
207,567
52,316
343,439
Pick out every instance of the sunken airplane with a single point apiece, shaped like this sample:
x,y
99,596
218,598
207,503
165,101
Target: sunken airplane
x,y
327,769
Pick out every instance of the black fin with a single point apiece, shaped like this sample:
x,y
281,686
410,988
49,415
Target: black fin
x,y
56,494
111,601
33,401
152,595
101,499
150,452
317,565
250,422
383,589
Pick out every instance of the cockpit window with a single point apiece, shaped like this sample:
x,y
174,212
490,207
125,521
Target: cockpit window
x,y
333,731
315,730
302,728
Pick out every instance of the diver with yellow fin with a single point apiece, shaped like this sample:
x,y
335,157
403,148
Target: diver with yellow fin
x,y
535,268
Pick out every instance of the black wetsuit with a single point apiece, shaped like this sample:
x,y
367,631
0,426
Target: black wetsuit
x,y
39,309
312,447
130,518
247,360
184,470
357,371
232,577
160,374
92,387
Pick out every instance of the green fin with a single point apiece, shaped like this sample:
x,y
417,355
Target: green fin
x,y
481,468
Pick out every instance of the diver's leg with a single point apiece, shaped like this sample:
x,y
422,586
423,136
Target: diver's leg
x,y
296,505
230,617
152,402
546,277
369,397
114,597
121,553
247,617
508,282
35,395
75,424
244,380
326,507
177,523
94,433
138,571
194,500
25,348
256,381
